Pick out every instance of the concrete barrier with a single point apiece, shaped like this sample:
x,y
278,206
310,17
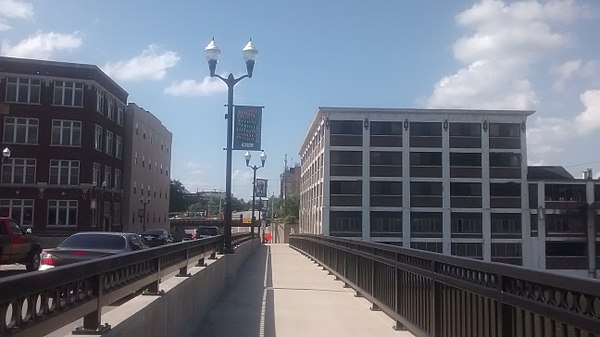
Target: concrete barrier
x,y
182,308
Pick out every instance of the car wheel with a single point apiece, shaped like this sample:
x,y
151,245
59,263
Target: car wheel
x,y
33,261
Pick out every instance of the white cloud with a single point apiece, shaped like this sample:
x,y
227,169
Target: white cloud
x,y
209,86
4,27
16,9
151,64
504,42
564,72
41,45
545,134
589,120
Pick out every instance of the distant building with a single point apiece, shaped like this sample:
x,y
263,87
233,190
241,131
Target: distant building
x,y
289,181
445,180
64,126
147,179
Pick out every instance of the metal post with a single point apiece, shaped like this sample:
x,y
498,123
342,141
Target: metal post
x,y
253,202
227,249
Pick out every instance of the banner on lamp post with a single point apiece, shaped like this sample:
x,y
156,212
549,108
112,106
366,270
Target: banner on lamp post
x,y
247,128
261,188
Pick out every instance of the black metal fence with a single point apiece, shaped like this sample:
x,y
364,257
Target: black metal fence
x,y
445,296
37,303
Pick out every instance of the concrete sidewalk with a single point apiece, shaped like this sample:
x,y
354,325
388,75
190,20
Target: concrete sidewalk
x,y
279,292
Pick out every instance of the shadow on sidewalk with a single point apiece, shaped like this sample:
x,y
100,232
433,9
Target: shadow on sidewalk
x,y
246,306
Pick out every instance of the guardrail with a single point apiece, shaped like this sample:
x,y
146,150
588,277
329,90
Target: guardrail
x,y
445,296
37,303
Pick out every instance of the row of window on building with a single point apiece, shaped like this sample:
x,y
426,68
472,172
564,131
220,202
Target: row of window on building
x,y
153,140
65,93
426,134
157,168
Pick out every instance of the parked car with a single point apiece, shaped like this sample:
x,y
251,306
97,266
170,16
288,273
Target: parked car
x,y
206,231
157,237
18,246
85,246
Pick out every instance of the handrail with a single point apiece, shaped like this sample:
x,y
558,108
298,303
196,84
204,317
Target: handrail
x,y
439,295
37,303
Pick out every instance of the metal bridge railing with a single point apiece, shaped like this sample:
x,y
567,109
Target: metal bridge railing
x,y
37,303
446,296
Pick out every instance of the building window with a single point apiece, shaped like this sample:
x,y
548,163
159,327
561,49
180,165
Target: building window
x,y
505,130
426,194
467,249
68,93
117,178
346,163
342,223
465,225
110,109
96,173
18,209
507,252
64,172
386,224
18,171
116,213
435,247
465,159
426,134
572,224
346,133
424,224
120,114
23,90
66,133
465,195
108,176
98,138
387,134
134,187
109,143
386,164
346,193
506,225
386,193
62,212
135,156
565,192
21,130
119,147
100,101
465,129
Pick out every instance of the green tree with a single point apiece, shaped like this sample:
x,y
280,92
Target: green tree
x,y
176,201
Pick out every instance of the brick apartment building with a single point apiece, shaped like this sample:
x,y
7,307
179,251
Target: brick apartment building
x,y
64,125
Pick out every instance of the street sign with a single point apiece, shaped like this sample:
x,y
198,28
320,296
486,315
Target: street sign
x,y
247,128
261,188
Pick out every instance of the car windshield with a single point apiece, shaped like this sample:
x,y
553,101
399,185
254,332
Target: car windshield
x,y
154,232
94,241
207,231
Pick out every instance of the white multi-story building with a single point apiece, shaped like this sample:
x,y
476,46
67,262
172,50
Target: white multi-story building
x,y
449,181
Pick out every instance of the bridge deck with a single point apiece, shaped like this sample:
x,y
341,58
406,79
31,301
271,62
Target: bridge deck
x,y
279,292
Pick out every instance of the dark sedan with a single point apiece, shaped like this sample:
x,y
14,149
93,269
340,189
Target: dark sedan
x,y
157,237
90,245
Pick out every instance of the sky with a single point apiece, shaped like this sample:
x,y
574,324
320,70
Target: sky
x,y
485,54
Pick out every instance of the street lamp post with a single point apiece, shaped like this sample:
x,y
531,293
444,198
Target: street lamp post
x,y
263,159
212,53
145,203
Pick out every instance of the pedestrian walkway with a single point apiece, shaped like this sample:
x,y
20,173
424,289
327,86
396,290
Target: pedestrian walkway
x,y
279,292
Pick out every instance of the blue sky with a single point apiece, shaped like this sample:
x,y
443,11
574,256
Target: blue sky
x,y
541,55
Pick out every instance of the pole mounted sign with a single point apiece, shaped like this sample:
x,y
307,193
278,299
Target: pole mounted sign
x,y
247,128
261,188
